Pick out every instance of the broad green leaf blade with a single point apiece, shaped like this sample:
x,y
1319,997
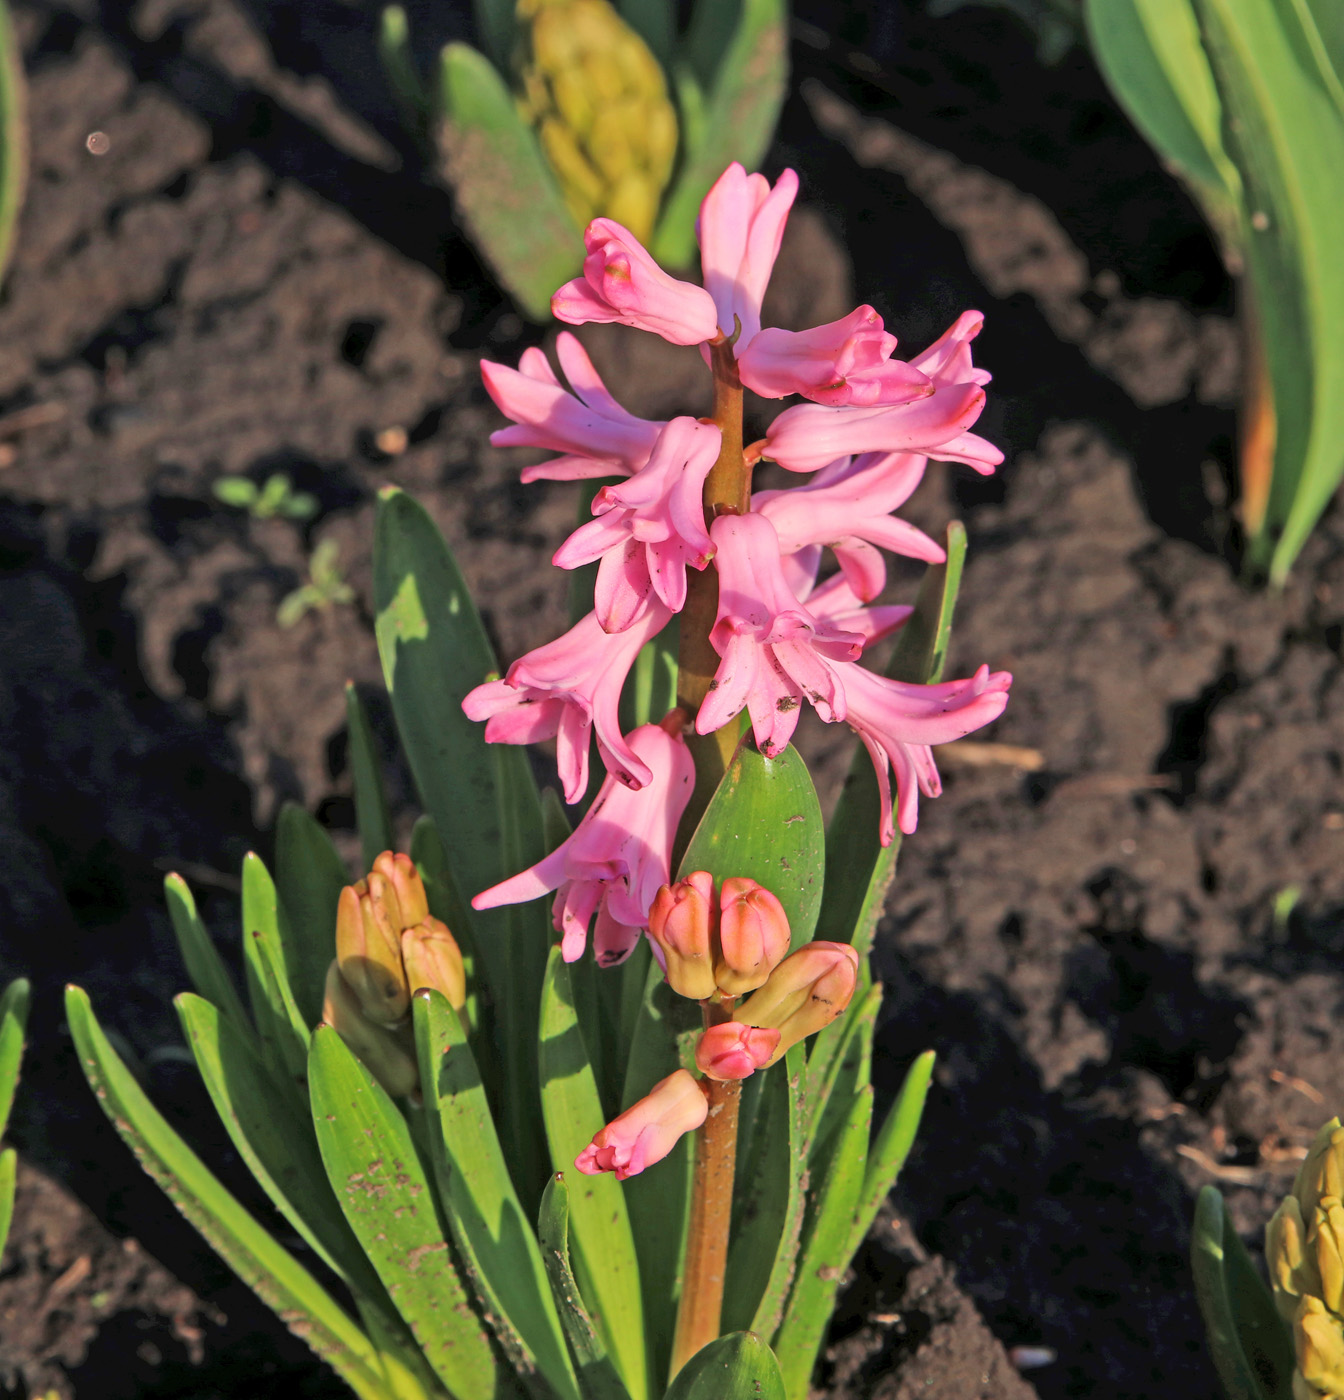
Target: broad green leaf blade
x,y
598,1375
1233,1316
764,822
603,1246
1152,57
858,868
476,1191
9,1168
482,797
738,119
13,136
495,25
284,1032
380,1184
822,1259
271,1272
366,772
768,1203
309,878
204,965
737,1367
506,194
1286,135
892,1146
13,1025
658,1199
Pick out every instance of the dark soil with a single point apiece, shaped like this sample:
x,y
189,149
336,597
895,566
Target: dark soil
x,y
259,275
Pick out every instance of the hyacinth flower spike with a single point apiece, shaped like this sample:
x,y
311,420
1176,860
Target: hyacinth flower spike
x,y
566,690
899,722
617,857
774,652
621,282
597,436
649,528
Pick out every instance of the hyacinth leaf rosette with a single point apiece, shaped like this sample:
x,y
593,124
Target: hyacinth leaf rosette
x,y
1244,100
534,1090
573,109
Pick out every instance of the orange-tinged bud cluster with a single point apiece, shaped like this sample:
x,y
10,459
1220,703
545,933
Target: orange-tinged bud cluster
x,y
388,945
717,945
804,994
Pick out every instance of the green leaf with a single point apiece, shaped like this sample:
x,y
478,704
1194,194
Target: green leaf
x,y
597,1374
768,1203
764,822
858,868
737,121
491,1231
737,1367
496,24
204,965
506,194
822,1259
9,1167
310,875
1252,1348
892,1146
482,797
249,1250
403,76
237,491
838,1065
655,21
284,1033
13,1025
13,136
603,1246
1285,133
381,1186
366,771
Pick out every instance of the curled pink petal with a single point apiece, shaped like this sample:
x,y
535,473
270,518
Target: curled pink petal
x,y
846,362
648,1130
618,856
740,228
621,282
836,602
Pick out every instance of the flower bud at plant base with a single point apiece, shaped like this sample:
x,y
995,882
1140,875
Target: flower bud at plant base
x,y
433,959
733,1051
804,994
368,949
753,936
648,1130
682,922
1319,1339
1292,1269
1322,1171
386,1054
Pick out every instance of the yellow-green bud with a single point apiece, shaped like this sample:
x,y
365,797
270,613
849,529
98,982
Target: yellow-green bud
x,y
1327,1236
368,949
1319,1338
1292,1270
598,100
433,959
387,1055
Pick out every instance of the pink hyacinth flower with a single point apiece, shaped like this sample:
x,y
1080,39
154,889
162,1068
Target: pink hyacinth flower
x,y
849,511
898,722
648,1130
846,362
948,359
740,228
836,602
734,1051
775,653
597,435
649,528
618,857
621,282
565,690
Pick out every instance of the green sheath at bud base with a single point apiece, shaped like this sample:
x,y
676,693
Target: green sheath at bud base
x,y
598,102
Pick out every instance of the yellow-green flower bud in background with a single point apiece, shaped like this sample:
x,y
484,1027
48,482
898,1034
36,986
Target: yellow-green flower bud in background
x,y
598,100
1322,1171
1327,1234
388,1055
804,994
1292,1270
1319,1339
433,959
368,950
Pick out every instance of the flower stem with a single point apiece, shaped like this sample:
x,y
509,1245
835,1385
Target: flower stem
x,y
698,1316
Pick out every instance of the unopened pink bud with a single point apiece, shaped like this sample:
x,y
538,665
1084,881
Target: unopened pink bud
x,y
368,948
733,1051
753,936
805,993
648,1130
433,959
682,923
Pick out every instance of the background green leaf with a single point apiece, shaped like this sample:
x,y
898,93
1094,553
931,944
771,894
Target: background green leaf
x,y
204,965
309,877
737,1367
13,1026
366,772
